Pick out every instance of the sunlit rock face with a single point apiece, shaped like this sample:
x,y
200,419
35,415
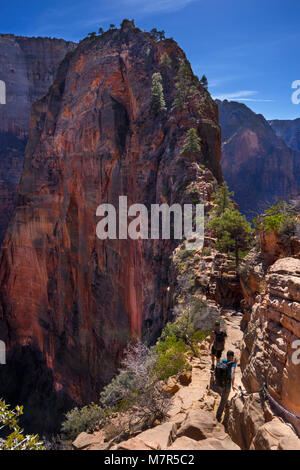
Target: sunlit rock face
x,y
258,165
27,67
69,301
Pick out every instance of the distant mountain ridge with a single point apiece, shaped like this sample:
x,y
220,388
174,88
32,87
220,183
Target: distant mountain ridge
x,y
257,164
288,130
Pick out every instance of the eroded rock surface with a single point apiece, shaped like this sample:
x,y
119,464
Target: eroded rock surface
x,y
70,302
28,67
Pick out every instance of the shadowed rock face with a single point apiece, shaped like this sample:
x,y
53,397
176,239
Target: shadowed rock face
x,y
28,67
288,130
72,300
258,165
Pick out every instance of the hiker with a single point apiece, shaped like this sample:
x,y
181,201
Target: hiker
x,y
224,375
217,340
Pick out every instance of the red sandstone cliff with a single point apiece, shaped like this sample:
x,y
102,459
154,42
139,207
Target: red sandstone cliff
x,y
70,302
28,67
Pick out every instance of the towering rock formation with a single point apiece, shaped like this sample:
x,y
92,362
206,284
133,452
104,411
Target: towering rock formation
x,y
27,67
270,347
288,130
258,165
70,302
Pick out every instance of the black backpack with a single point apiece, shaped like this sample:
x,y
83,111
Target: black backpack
x,y
222,373
219,341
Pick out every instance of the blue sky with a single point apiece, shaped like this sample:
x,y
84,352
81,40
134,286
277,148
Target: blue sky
x,y
249,49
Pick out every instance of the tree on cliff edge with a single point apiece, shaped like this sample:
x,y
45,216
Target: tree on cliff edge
x,y
191,142
222,198
158,103
233,232
204,82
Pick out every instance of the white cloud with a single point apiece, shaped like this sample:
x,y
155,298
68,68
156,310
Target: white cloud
x,y
156,6
241,95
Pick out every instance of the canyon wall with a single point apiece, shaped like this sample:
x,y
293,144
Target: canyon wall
x,y
257,164
270,350
288,130
70,302
27,67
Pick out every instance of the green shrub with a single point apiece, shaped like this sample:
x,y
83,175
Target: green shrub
x,y
82,419
137,385
280,218
287,228
171,357
118,394
200,335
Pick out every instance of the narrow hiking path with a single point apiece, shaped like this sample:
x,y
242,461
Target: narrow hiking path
x,y
191,422
197,394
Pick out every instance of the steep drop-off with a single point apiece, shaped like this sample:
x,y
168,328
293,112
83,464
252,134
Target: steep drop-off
x,y
27,67
70,302
257,164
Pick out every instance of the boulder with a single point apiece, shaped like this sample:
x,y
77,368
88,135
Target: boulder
x,y
85,440
135,444
185,377
274,435
172,386
245,417
200,424
184,443
217,444
159,437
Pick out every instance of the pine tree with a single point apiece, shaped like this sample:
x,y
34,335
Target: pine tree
x,y
191,142
222,199
158,103
204,82
233,232
185,86
100,31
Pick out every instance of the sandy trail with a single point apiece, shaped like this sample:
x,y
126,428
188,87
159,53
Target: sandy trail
x,y
198,394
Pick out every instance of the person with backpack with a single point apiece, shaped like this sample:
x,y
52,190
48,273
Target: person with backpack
x,y
217,340
224,377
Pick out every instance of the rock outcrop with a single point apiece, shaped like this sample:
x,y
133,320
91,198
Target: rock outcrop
x,y
269,354
251,147
27,67
252,425
70,302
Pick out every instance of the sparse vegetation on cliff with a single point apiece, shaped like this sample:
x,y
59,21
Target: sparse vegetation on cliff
x,y
234,233
191,142
204,82
185,86
82,419
222,199
281,218
159,35
158,103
